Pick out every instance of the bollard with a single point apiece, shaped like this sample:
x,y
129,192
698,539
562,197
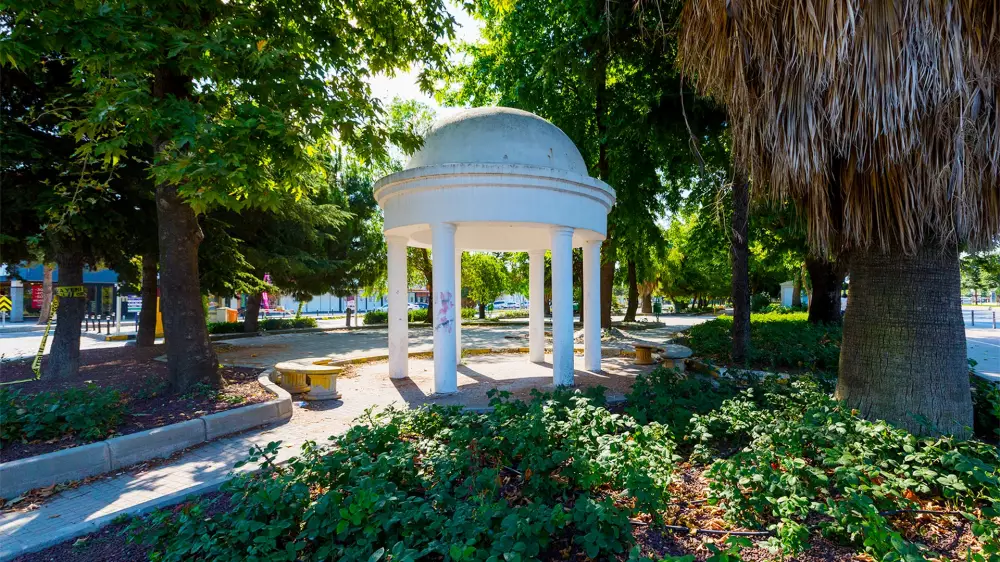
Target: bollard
x,y
107,325
994,320
973,313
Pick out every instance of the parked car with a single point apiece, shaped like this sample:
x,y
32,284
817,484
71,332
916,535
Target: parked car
x,y
421,305
499,305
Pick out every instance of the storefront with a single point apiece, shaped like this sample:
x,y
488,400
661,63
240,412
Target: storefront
x,y
25,287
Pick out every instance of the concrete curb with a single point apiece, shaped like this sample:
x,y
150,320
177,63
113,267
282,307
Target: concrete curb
x,y
75,463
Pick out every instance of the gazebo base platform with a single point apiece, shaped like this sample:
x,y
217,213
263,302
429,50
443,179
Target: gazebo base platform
x,y
479,374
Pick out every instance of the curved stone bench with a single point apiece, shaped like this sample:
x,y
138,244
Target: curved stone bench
x,y
317,379
673,356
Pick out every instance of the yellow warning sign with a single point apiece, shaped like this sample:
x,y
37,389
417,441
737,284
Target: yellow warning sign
x,y
5,304
78,291
36,365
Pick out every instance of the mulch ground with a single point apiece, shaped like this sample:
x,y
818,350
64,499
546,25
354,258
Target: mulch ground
x,y
143,384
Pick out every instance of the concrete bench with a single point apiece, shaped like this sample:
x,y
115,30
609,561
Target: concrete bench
x,y
644,353
673,356
317,380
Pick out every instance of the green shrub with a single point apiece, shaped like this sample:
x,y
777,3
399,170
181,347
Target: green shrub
x,y
376,317
759,302
778,309
287,323
266,324
524,482
518,313
985,405
418,315
89,413
777,341
667,397
804,462
470,313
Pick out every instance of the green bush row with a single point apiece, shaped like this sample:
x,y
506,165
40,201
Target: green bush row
x,y
89,413
519,313
266,324
418,315
778,340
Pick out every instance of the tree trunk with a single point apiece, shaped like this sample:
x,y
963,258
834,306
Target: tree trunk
x,y
146,335
190,356
427,268
633,293
903,357
827,278
64,358
797,289
43,316
647,303
252,314
482,311
607,281
739,252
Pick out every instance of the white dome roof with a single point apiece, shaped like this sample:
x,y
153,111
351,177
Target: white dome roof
x,y
498,135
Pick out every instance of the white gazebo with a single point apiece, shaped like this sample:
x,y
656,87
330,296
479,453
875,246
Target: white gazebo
x,y
496,179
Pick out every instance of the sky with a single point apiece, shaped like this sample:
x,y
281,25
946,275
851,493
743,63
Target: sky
x,y
404,85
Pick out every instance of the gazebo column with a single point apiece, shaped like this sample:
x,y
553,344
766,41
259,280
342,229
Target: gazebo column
x,y
592,305
398,290
445,357
562,306
536,306
458,306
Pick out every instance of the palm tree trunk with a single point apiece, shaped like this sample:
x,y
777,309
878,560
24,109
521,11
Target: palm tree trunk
x,y
739,251
827,278
43,316
252,314
903,357
647,303
146,335
64,359
482,311
633,293
797,289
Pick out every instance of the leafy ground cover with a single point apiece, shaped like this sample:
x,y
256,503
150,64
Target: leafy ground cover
x,y
778,340
691,469
119,391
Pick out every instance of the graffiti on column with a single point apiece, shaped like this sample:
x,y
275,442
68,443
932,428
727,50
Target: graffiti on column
x,y
445,317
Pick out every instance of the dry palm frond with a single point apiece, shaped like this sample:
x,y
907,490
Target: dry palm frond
x,y
880,118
